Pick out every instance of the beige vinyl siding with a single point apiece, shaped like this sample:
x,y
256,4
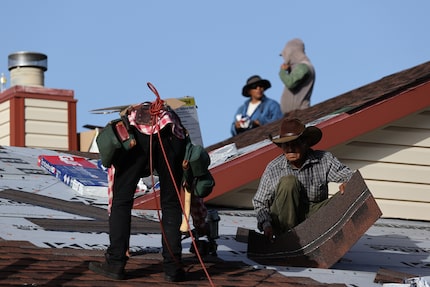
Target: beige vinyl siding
x,y
48,128
46,124
395,163
5,123
46,141
414,210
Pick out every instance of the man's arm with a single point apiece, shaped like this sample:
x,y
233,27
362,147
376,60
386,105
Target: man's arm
x,y
339,173
295,77
262,201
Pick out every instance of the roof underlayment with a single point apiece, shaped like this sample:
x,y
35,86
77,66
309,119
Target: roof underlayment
x,y
392,244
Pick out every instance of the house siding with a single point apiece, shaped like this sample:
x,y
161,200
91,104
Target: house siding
x,y
395,163
4,123
46,124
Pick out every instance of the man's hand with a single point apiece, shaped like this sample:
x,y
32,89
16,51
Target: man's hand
x,y
268,232
342,188
285,67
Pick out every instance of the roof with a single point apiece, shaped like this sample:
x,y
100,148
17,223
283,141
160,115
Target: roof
x,y
49,232
27,265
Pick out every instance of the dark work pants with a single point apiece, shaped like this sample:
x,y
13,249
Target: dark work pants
x,y
129,168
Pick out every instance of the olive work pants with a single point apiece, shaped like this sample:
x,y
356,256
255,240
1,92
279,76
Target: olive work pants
x,y
289,207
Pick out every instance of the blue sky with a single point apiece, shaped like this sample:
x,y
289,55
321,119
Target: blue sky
x,y
106,51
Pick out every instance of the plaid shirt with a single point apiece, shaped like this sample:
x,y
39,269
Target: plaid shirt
x,y
320,168
198,212
165,118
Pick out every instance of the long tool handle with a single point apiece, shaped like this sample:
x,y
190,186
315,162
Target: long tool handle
x,y
187,209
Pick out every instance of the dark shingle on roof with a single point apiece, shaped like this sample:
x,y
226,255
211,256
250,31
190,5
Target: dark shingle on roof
x,y
23,264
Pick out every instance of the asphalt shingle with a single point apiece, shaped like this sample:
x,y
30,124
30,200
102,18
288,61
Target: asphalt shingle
x,y
23,264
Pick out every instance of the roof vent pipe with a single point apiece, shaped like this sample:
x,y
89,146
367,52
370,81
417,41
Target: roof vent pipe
x,y
27,68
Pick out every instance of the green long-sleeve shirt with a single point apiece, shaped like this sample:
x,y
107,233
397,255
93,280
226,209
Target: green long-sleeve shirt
x,y
293,79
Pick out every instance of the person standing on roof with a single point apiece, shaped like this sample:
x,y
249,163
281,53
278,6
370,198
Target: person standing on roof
x,y
258,109
298,75
294,185
161,148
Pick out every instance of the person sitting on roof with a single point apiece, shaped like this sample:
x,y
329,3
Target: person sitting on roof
x,y
294,185
258,109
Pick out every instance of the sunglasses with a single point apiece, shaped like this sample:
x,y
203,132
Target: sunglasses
x,y
254,86
293,144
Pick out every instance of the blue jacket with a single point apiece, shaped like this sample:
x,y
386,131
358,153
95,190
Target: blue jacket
x,y
268,111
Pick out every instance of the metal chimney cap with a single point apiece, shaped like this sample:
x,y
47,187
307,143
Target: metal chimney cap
x,y
28,59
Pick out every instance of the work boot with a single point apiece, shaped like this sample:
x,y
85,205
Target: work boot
x,y
179,276
116,271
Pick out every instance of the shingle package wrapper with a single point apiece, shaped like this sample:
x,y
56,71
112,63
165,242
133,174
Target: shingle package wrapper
x,y
83,176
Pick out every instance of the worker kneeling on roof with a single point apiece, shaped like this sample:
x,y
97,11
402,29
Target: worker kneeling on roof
x,y
294,185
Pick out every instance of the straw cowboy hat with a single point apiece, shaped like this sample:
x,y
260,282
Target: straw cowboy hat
x,y
255,80
292,129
